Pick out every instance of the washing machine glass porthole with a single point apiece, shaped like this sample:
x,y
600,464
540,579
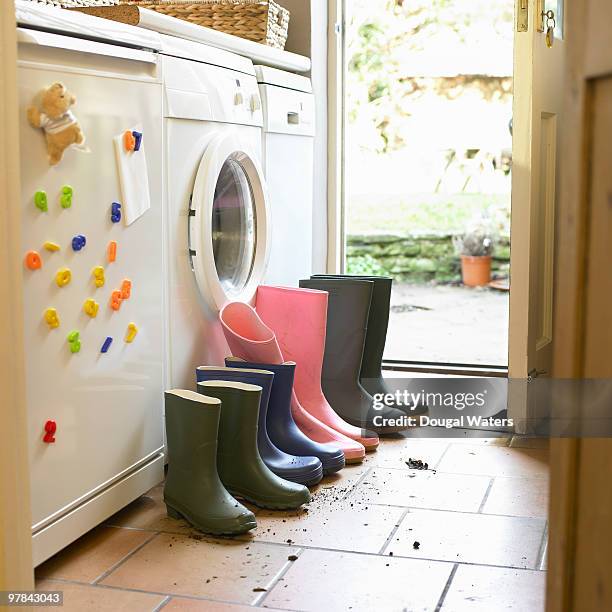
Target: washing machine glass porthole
x,y
234,229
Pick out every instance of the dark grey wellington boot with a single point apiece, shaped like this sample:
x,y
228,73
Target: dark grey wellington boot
x,y
193,489
377,325
371,376
347,316
241,467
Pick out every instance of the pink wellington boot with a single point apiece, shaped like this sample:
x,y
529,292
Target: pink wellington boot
x,y
299,319
251,339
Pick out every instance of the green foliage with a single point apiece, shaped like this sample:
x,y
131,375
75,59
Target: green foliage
x,y
365,265
410,213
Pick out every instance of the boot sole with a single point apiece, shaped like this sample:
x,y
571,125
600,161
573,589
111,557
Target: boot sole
x,y
307,479
311,481
175,514
334,464
265,505
354,460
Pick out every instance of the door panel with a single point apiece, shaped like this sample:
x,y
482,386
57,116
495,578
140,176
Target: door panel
x,y
598,309
537,119
107,406
545,230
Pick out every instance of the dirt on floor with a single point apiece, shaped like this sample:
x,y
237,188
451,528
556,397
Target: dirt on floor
x,y
448,324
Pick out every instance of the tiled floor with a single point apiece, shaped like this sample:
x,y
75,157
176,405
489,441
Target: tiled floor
x,y
469,534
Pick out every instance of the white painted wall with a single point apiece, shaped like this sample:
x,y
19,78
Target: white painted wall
x,y
308,36
319,28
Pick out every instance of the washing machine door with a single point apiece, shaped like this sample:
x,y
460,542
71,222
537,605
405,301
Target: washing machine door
x,y
229,223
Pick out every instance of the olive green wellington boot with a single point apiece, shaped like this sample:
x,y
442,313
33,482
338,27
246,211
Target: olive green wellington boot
x,y
193,489
241,468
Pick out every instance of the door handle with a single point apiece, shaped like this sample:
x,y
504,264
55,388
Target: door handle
x,y
293,118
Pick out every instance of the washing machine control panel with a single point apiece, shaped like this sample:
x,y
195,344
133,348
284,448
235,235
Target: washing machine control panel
x,y
194,90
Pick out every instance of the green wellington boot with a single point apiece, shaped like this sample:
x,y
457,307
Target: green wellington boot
x,y
241,468
193,489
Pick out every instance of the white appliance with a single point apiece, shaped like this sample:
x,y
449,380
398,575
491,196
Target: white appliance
x,y
289,129
217,215
107,448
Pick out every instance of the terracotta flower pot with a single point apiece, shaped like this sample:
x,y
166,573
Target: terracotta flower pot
x,y
476,271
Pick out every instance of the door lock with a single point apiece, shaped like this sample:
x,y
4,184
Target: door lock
x,y
522,15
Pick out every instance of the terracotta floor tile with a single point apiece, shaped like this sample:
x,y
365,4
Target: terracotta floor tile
x,y
395,452
495,461
78,598
488,589
351,513
338,485
92,554
149,512
518,497
469,538
336,525
177,604
422,489
225,570
334,581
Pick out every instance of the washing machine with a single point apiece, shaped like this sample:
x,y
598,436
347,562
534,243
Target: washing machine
x,y
288,161
217,215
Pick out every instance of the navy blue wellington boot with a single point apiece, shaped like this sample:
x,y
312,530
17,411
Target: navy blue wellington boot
x,y
281,427
306,470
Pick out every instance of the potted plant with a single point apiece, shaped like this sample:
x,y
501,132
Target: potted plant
x,y
475,248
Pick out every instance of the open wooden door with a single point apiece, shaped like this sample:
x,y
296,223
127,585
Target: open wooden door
x,y
580,517
537,123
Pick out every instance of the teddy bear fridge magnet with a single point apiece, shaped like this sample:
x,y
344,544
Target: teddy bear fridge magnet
x,y
54,116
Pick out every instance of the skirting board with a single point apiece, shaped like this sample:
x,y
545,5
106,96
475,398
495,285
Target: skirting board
x,y
63,531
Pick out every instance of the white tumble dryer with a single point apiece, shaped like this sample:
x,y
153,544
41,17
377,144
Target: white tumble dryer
x,y
216,212
288,160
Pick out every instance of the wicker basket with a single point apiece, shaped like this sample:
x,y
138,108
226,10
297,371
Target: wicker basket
x,y
263,21
77,3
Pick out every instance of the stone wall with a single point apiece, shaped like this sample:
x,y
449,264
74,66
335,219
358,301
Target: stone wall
x,y
417,257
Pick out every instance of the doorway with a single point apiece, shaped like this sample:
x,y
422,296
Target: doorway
x,y
427,170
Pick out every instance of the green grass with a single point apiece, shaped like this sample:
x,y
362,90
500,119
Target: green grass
x,y
408,213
